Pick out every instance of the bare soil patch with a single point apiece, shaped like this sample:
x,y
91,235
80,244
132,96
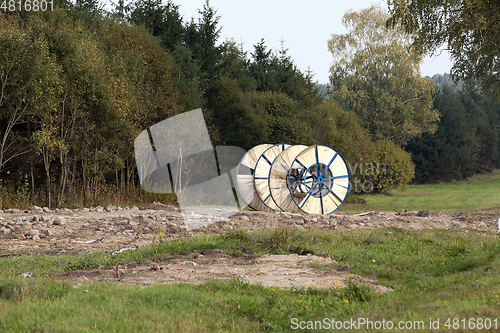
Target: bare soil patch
x,y
281,271
54,232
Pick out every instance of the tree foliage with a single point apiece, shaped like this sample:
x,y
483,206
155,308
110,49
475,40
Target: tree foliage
x,y
339,128
467,140
469,28
240,125
87,93
29,83
382,165
161,20
276,72
284,119
376,75
79,84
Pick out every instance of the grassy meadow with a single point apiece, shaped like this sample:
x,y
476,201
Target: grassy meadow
x,y
434,274
480,193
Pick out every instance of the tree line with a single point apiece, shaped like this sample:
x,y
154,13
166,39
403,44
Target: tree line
x,y
78,84
466,140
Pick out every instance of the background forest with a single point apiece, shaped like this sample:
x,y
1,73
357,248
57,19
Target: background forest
x,y
78,84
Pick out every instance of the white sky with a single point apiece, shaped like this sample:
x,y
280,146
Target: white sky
x,y
304,26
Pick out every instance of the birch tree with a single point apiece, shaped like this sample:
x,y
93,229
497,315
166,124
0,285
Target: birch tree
x,y
376,74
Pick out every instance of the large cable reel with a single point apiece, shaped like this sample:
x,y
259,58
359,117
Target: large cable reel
x,y
293,178
244,177
262,175
321,176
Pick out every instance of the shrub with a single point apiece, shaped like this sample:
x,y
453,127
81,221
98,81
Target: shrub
x,y
394,168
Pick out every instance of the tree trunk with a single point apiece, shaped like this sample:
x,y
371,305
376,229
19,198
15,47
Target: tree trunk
x,y
62,181
32,181
73,180
85,185
46,162
118,193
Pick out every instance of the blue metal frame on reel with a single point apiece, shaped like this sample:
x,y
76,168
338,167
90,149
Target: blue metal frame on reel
x,y
312,180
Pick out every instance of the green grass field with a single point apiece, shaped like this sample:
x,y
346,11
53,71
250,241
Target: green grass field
x,y
477,194
434,274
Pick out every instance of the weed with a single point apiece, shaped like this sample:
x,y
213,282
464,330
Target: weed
x,y
457,249
12,290
355,292
236,234
356,199
90,261
280,239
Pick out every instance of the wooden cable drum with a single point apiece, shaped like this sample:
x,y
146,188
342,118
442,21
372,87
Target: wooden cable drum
x,y
278,184
318,180
244,177
263,172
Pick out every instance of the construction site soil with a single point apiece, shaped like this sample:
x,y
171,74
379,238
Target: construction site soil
x,y
42,231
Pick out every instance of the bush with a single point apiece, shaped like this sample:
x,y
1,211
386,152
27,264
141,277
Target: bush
x,y
392,168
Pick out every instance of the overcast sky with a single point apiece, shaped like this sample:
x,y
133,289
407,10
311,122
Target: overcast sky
x,y
304,26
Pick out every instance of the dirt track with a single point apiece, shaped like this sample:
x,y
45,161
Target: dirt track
x,y
111,229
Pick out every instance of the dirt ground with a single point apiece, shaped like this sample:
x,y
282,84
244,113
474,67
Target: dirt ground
x,y
112,229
